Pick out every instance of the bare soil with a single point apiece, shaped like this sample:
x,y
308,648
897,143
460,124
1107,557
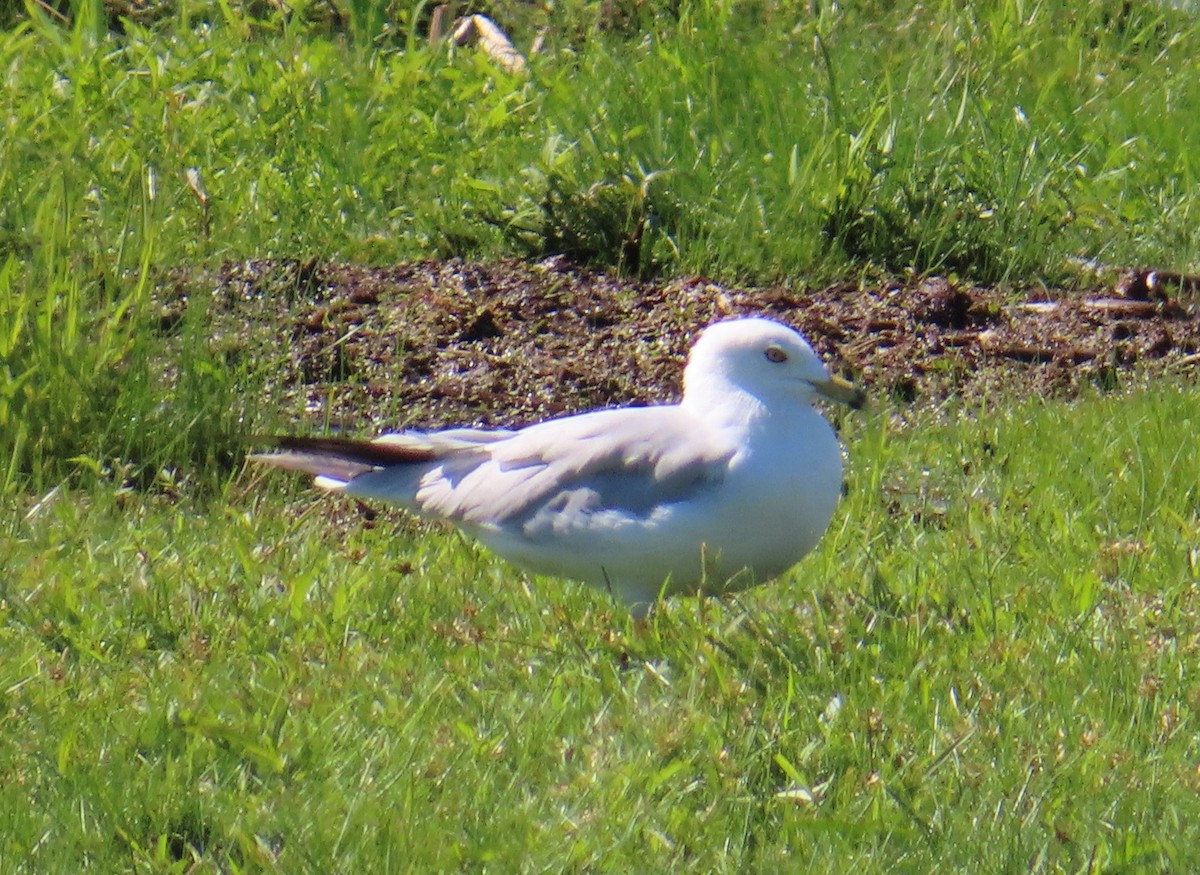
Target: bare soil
x,y
434,344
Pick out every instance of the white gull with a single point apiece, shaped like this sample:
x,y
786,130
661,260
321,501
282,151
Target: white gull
x,y
728,488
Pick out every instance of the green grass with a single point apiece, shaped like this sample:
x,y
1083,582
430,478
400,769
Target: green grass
x,y
988,665
993,142
749,142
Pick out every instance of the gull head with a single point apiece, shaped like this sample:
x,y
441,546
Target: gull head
x,y
763,359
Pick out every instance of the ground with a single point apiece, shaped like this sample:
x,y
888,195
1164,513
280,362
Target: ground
x,y
433,344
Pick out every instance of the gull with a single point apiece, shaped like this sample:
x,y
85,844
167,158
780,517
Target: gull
x,y
727,488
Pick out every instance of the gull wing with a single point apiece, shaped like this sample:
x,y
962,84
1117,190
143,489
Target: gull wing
x,y
335,461
627,461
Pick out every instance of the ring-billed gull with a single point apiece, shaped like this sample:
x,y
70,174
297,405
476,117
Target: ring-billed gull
x,y
727,488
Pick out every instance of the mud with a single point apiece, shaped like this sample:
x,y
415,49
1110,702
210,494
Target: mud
x,y
438,343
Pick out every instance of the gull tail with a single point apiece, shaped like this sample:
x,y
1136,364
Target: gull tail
x,y
336,461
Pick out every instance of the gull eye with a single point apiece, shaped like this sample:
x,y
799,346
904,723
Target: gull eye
x,y
775,354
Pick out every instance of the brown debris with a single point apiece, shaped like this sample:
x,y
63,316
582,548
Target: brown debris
x,y
434,344
1143,284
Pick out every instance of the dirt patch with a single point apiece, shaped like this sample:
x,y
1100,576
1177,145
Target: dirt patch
x,y
440,343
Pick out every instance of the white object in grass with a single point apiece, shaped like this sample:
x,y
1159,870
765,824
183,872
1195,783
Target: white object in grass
x,y
728,488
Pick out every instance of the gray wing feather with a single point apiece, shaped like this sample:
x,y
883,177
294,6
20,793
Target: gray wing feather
x,y
628,460
337,461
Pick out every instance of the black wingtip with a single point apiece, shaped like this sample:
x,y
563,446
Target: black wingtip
x,y
364,452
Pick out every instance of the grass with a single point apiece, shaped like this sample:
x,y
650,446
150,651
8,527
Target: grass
x,y
989,664
989,142
995,144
